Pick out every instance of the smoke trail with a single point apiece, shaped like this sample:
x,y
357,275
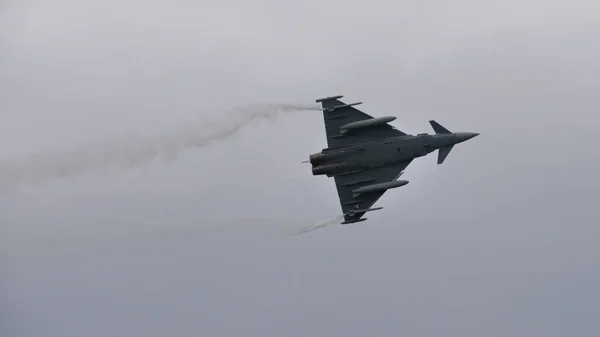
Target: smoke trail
x,y
306,229
245,229
134,152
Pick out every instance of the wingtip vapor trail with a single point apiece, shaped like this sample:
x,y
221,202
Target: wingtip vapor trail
x,y
133,152
310,228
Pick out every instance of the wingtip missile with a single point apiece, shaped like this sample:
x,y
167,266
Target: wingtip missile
x,y
364,210
353,221
351,213
330,98
333,108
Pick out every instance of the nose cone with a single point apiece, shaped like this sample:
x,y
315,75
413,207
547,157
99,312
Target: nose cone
x,y
464,136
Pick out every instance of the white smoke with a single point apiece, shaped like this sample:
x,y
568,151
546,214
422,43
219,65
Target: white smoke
x,y
133,152
244,228
310,228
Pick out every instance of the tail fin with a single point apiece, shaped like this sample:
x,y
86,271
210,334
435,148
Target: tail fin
x,y
438,128
443,153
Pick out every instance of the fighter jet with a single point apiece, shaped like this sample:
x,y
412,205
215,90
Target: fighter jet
x,y
366,156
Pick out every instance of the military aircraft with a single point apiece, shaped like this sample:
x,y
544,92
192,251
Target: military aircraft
x,y
365,155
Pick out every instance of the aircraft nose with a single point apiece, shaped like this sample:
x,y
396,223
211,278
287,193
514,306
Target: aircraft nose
x,y
470,135
464,136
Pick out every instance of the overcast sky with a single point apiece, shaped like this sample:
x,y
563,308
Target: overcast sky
x,y
500,240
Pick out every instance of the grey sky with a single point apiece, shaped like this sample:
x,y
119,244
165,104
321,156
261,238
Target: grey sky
x,y
500,240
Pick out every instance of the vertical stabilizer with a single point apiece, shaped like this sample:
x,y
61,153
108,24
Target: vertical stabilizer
x,y
438,128
443,153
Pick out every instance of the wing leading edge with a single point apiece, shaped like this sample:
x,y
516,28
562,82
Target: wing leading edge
x,y
354,205
336,114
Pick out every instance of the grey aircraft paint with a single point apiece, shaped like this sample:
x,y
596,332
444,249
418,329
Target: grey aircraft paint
x,y
365,155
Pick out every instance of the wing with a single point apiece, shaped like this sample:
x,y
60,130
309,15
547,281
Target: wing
x,y
345,184
337,113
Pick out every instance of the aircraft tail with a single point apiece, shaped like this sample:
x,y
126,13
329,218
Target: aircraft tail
x,y
445,151
438,128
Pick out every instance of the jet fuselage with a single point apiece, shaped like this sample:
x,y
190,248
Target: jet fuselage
x,y
366,155
361,156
